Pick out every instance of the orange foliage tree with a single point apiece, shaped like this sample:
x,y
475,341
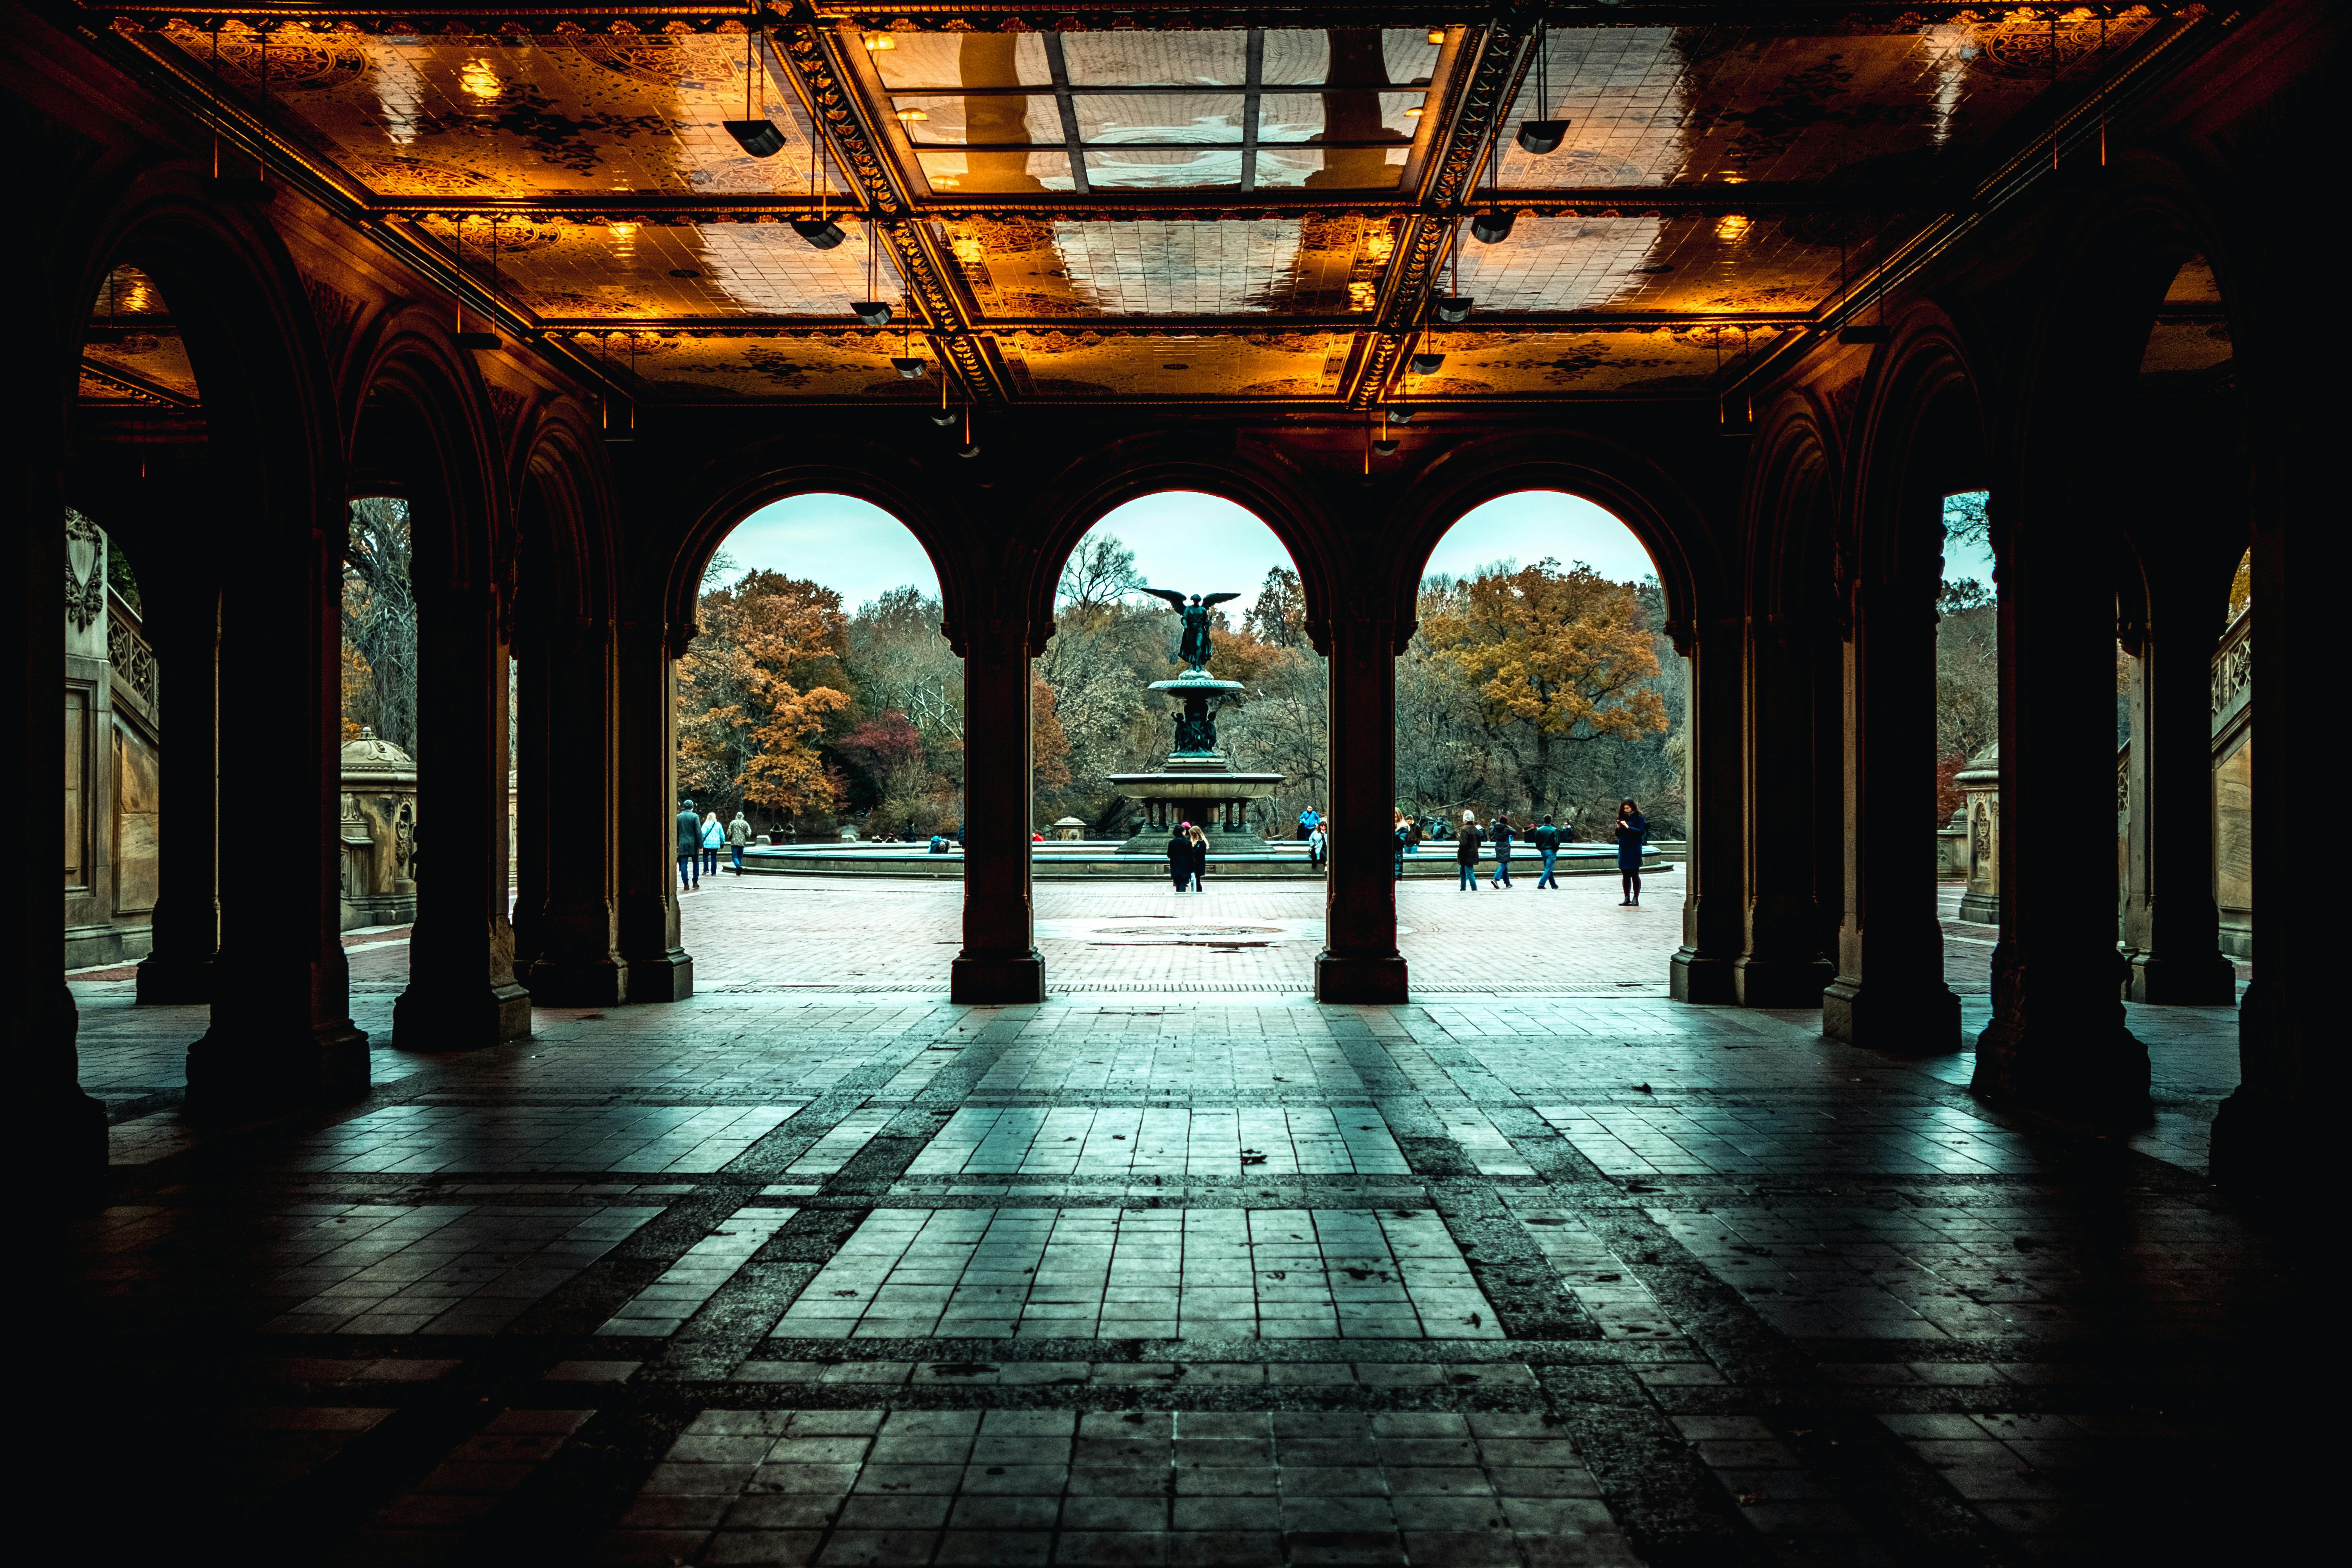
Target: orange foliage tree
x,y
753,693
1554,657
1049,747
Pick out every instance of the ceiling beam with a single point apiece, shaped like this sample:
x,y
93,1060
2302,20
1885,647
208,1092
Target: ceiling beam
x,y
812,59
1186,326
1477,91
1203,207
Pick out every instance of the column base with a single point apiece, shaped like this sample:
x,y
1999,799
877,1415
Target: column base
x,y
668,978
236,1077
578,983
2184,983
998,982
460,1019
2073,1069
164,981
1361,981
1981,908
1781,981
1922,1020
1695,977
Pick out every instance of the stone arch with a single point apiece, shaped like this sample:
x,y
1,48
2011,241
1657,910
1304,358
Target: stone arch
x,y
1791,508
424,428
776,472
1130,470
1633,488
1924,434
564,509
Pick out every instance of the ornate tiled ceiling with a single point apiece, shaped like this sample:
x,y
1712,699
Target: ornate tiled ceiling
x,y
1155,203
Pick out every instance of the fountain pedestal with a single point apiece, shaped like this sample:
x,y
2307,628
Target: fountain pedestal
x,y
1198,784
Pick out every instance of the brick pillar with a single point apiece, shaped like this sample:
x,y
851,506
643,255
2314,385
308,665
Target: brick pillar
x,y
565,809
183,623
2171,926
462,993
281,1032
2057,1042
1360,961
1782,963
1889,992
1000,963
1715,894
646,807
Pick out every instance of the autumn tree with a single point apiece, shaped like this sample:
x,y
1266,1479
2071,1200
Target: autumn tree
x,y
1279,617
754,690
379,623
1554,658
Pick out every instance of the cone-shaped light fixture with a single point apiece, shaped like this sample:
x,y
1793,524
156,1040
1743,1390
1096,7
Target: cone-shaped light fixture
x,y
1454,309
760,138
1492,229
820,232
871,313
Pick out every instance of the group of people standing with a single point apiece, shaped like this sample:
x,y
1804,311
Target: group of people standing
x,y
1633,834
1187,858
699,840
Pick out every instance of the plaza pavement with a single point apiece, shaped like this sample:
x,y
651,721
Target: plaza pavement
x,y
815,1267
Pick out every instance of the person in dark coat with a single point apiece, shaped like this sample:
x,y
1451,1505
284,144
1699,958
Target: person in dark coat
x,y
1199,860
1501,839
1465,853
1632,833
1180,857
1547,842
689,848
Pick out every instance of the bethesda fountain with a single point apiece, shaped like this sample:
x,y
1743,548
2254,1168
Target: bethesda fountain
x,y
1197,784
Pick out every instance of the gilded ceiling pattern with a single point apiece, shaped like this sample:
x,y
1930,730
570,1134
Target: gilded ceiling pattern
x,y
1105,210
131,354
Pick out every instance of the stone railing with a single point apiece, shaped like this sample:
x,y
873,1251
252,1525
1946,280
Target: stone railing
x,y
134,657
2234,675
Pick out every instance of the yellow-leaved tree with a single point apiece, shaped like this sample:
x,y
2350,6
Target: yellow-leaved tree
x,y
754,692
1554,658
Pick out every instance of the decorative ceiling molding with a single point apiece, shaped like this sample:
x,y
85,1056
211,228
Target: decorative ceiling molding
x,y
812,58
1481,87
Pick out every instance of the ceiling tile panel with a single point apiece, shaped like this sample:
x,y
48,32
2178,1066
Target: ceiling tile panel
x,y
963,60
850,365
1156,59
453,116
1252,364
1534,365
647,271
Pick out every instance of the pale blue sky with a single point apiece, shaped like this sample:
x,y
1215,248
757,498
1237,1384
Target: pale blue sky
x,y
1183,540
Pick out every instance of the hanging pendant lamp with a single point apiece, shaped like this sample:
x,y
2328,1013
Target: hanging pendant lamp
x,y
1541,136
756,134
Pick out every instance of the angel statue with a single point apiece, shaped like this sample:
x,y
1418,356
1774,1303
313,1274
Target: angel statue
x,y
1194,647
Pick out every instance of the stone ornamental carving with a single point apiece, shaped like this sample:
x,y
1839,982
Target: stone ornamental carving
x,y
85,571
379,833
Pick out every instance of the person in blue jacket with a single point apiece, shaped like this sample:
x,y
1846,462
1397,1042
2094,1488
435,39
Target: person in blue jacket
x,y
1547,842
1632,833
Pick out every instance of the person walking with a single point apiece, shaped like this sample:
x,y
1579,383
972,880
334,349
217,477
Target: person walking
x,y
689,848
1632,833
1465,853
739,838
1199,860
1502,840
1318,840
714,839
1404,834
1307,821
1180,857
1547,842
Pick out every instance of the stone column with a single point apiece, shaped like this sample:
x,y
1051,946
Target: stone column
x,y
462,993
62,1131
1781,962
281,1033
2057,1041
1714,895
2171,925
567,821
184,622
1360,961
1000,963
645,810
1889,992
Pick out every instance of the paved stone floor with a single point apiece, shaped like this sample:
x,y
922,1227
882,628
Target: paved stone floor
x,y
817,1267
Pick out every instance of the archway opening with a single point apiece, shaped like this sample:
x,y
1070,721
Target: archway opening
x,y
1180,741
1539,695
820,717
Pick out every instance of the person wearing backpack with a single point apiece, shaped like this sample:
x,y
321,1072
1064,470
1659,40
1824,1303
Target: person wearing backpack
x,y
1547,842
